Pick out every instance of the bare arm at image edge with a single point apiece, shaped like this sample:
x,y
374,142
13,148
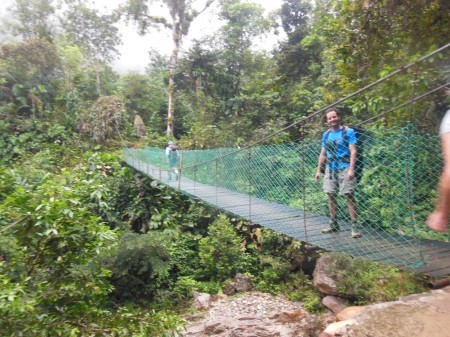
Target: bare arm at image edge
x,y
439,218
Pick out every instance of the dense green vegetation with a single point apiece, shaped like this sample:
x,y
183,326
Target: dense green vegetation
x,y
90,247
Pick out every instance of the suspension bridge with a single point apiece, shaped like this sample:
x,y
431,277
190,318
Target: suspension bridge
x,y
274,186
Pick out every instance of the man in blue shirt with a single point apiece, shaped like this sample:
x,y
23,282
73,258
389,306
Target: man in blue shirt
x,y
339,154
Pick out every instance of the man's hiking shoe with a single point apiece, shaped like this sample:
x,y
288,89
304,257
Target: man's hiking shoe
x,y
334,227
356,234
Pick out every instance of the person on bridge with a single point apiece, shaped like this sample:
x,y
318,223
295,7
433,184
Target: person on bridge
x,y
439,218
338,154
172,159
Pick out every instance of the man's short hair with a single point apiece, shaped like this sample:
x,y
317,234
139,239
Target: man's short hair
x,y
332,109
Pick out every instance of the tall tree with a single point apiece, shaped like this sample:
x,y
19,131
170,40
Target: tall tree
x,y
27,73
243,23
95,33
299,59
31,19
181,15
230,83
299,51
146,96
365,38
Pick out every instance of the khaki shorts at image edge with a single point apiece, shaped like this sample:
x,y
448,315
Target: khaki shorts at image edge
x,y
338,180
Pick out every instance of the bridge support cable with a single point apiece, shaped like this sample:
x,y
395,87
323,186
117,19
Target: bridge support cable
x,y
410,161
303,156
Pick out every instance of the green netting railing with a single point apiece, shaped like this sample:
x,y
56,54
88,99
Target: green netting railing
x,y
395,193
275,186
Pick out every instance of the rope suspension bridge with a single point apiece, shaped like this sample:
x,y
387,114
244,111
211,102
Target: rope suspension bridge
x,y
274,185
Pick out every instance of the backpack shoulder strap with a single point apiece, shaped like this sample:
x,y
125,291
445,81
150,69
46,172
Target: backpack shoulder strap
x,y
344,132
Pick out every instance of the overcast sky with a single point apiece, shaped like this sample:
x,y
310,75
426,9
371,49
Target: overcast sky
x,y
134,51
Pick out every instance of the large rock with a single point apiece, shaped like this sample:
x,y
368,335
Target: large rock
x,y
339,328
420,315
243,282
202,301
323,279
229,288
350,312
240,283
334,303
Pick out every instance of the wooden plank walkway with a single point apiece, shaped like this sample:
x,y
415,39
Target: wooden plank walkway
x,y
422,256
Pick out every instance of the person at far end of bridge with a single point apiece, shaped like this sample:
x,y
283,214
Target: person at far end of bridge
x,y
338,157
172,159
439,218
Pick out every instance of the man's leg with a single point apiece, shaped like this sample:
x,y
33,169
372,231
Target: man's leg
x,y
332,208
351,206
347,187
353,214
332,205
330,188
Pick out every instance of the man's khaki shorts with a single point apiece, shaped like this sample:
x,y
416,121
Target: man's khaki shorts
x,y
338,181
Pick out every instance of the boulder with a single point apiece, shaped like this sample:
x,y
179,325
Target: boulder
x,y
350,312
334,303
323,279
240,283
202,301
229,288
243,282
339,328
419,315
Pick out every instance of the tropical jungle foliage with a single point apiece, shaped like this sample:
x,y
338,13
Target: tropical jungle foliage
x,y
88,246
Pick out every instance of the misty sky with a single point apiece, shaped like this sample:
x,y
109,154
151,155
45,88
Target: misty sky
x,y
134,51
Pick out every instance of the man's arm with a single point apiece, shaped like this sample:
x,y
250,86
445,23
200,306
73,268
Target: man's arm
x,y
439,218
321,161
351,170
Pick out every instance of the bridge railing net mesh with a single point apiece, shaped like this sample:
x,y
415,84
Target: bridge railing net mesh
x,y
394,195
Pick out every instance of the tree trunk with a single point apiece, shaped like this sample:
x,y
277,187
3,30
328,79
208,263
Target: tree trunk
x,y
179,12
97,77
176,36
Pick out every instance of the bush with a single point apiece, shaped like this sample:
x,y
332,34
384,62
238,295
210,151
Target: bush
x,y
220,253
185,286
140,267
363,281
104,120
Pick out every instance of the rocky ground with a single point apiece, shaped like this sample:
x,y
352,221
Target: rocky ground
x,y
255,314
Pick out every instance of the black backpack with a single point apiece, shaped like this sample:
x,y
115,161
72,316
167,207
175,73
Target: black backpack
x,y
361,135
173,153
